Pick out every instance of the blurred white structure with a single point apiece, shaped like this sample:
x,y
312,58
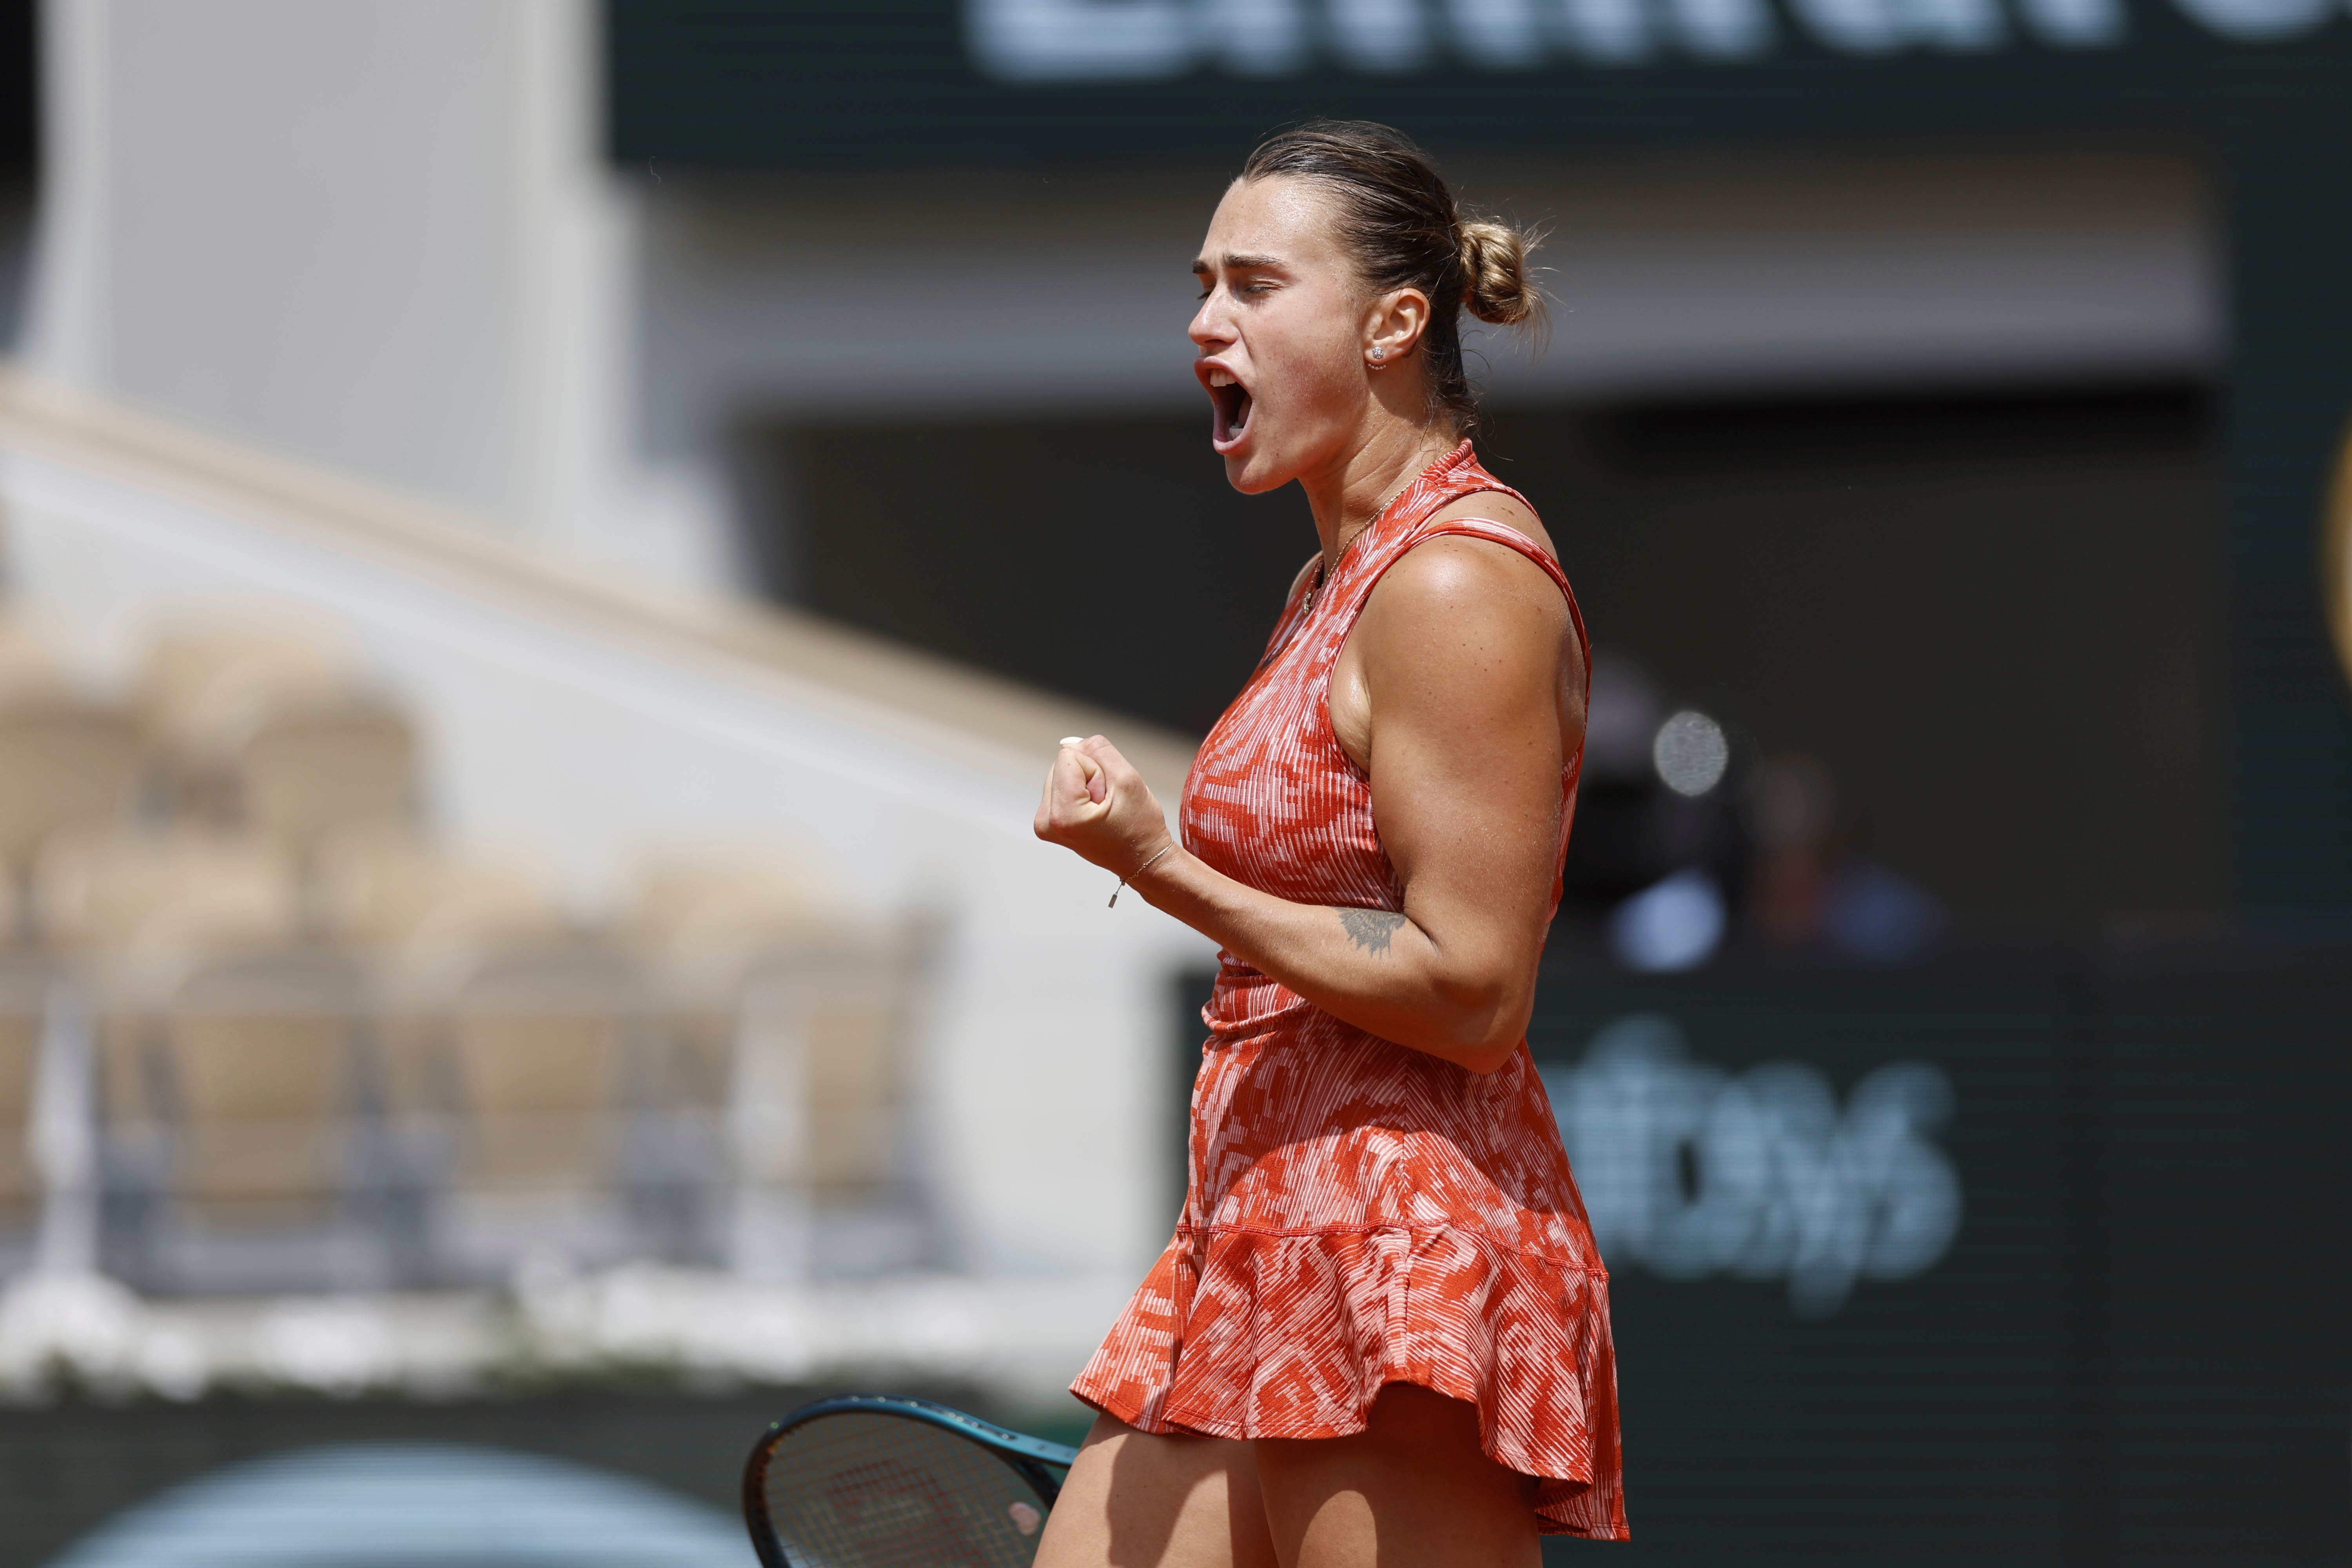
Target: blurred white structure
x,y
374,234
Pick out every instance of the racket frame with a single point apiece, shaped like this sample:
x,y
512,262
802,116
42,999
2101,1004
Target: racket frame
x,y
1029,1456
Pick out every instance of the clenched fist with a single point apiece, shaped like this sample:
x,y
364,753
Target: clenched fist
x,y
1097,804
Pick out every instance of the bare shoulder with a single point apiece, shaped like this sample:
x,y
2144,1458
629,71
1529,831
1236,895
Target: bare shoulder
x,y
1454,581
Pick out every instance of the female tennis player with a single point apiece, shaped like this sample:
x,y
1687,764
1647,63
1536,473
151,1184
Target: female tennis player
x,y
1380,1334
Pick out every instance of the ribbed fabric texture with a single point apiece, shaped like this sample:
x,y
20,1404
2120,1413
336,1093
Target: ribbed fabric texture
x,y
1361,1214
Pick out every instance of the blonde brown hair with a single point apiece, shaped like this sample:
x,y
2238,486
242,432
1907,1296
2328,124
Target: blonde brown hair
x,y
1400,222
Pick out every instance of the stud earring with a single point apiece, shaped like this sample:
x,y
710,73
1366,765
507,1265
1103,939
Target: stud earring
x,y
1379,353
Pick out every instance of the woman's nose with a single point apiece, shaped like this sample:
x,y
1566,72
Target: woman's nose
x,y
1208,328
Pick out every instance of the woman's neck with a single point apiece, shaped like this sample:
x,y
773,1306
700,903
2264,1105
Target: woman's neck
x,y
1350,497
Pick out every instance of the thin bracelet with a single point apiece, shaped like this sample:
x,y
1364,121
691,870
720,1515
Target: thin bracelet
x,y
1139,871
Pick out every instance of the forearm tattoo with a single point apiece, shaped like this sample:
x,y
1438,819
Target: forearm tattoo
x,y
1370,929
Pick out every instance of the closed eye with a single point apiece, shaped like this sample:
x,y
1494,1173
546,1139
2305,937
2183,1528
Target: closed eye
x,y
1253,286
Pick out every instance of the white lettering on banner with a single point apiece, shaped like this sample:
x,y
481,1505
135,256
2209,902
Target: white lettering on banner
x,y
1690,1171
1882,27
2076,24
1036,41
1723,29
1257,37
1500,35
1607,32
1380,35
2257,20
1081,40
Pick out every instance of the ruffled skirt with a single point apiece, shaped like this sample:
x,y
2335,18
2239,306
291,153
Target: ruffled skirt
x,y
1255,1324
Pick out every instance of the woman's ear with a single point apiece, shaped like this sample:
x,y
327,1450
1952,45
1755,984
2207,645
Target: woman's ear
x,y
1393,325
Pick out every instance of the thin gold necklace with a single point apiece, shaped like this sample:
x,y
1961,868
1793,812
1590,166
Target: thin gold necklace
x,y
1323,570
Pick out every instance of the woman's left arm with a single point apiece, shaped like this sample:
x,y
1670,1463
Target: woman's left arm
x,y
1458,669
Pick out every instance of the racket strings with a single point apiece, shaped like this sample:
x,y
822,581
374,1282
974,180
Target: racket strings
x,y
863,1490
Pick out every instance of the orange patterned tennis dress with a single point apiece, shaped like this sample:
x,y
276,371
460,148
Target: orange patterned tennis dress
x,y
1359,1213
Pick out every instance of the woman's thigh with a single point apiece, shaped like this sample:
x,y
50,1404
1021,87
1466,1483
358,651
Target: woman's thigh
x,y
1136,1500
1412,1491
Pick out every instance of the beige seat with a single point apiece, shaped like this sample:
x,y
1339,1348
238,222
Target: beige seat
x,y
424,919
257,1048
224,1050
388,890
137,910
121,894
816,1113
728,895
21,990
264,725
20,1056
706,920
204,674
541,1045
843,1007
30,662
310,770
505,1059
65,763
787,1040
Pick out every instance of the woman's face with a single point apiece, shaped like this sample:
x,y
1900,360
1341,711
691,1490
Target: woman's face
x,y
1281,333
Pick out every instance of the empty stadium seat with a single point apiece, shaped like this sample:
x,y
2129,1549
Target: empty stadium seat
x,y
704,919
411,904
546,1072
257,1050
541,1044
263,723
205,673
65,763
21,992
224,1050
313,768
710,911
121,892
788,1021
30,662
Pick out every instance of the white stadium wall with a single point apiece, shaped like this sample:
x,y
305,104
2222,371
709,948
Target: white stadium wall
x,y
377,235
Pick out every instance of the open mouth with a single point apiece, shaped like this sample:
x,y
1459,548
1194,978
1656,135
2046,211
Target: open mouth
x,y
1230,404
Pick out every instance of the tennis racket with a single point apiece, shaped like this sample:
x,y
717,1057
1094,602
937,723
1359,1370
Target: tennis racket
x,y
873,1480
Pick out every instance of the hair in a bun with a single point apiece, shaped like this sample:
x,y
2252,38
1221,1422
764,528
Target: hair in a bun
x,y
1400,221
1494,260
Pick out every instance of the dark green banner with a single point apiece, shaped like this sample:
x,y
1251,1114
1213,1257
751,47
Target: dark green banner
x,y
793,84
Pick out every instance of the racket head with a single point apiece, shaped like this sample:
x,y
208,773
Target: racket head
x,y
880,1481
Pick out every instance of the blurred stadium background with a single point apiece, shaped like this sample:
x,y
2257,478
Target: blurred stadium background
x,y
543,546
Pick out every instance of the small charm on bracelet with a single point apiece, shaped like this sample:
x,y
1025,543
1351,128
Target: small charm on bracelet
x,y
1139,871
